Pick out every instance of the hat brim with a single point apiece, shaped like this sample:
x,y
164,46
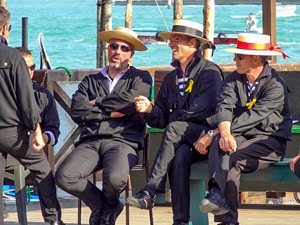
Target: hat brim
x,y
108,35
167,35
252,52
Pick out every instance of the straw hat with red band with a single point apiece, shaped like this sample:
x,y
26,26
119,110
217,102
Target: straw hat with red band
x,y
124,34
186,27
256,44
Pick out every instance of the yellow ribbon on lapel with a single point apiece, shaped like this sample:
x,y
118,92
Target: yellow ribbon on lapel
x,y
250,104
189,88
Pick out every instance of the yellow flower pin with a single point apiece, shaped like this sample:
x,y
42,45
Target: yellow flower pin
x,y
189,88
250,104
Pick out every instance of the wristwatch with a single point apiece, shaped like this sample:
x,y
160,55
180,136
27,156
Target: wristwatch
x,y
210,133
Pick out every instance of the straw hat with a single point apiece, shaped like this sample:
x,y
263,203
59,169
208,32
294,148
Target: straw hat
x,y
254,44
185,27
124,34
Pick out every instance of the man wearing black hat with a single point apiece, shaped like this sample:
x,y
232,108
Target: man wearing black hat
x,y
112,130
186,97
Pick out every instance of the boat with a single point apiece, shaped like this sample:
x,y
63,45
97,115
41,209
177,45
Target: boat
x,y
282,10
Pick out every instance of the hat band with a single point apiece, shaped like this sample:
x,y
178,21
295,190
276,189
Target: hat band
x,y
187,30
253,46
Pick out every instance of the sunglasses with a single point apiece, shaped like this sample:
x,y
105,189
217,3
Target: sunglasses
x,y
31,68
8,27
115,46
239,56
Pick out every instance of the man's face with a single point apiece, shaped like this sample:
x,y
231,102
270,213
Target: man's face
x,y
181,47
119,53
243,63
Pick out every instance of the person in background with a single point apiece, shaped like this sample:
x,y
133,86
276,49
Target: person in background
x,y
38,163
112,130
186,97
252,125
20,131
251,21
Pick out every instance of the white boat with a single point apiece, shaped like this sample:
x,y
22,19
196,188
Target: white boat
x,y
282,10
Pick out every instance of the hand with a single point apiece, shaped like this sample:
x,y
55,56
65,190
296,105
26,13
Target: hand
x,y
38,142
93,102
143,104
116,115
203,143
227,143
293,162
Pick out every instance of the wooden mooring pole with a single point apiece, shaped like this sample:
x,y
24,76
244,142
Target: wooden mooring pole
x,y
209,24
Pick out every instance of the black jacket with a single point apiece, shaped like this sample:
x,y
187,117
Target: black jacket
x,y
194,106
270,115
96,120
18,106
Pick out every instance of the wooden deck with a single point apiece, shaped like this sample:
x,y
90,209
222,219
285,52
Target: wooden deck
x,y
162,215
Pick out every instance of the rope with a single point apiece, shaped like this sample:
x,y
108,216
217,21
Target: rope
x,y
162,16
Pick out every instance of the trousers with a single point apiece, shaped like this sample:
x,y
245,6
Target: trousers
x,y
16,142
251,155
175,157
114,156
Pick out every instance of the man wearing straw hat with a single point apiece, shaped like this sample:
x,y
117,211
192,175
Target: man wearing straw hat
x,y
252,125
112,130
186,97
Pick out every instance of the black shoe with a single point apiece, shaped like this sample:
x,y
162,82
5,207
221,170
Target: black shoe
x,y
56,223
95,217
214,203
142,200
224,223
109,215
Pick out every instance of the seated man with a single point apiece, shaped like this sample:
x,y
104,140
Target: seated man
x,y
186,97
112,130
252,125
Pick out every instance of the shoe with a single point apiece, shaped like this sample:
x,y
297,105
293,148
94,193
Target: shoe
x,y
56,223
214,203
5,213
142,200
224,223
95,217
109,215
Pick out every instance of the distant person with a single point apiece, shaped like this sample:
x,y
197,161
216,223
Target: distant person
x,y
112,130
186,97
20,132
251,21
252,125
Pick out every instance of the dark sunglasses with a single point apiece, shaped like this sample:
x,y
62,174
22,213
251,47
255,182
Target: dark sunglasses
x,y
115,46
239,56
31,67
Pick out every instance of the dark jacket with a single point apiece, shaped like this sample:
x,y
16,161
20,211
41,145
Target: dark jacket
x,y
194,106
48,111
270,115
18,106
96,120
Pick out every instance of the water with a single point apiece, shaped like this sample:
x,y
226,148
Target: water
x,y
69,29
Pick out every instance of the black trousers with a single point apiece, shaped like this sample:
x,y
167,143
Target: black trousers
x,y
16,142
115,157
252,155
175,157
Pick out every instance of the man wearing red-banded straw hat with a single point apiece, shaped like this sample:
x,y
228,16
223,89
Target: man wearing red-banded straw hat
x,y
252,125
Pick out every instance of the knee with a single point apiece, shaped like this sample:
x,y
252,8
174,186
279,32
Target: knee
x,y
115,181
64,180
